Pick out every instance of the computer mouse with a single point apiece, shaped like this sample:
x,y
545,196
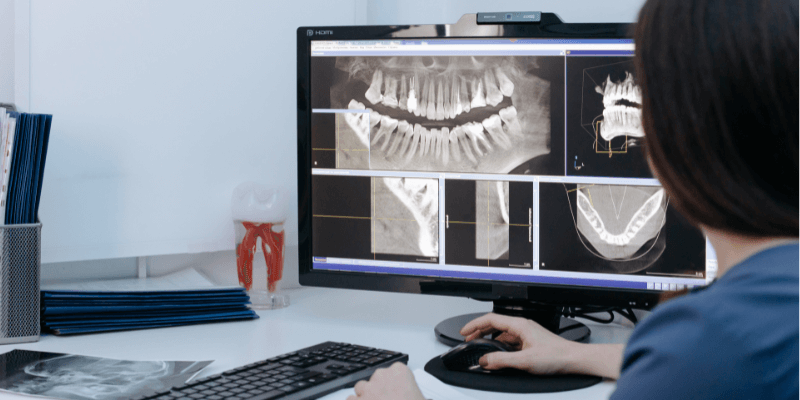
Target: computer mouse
x,y
464,357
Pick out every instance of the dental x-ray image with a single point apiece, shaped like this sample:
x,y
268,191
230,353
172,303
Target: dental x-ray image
x,y
617,229
491,220
604,112
494,230
376,218
74,377
448,113
405,217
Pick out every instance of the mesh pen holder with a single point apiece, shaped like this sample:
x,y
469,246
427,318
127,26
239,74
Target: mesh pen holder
x,y
20,266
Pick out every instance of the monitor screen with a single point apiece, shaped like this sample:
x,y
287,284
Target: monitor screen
x,y
497,159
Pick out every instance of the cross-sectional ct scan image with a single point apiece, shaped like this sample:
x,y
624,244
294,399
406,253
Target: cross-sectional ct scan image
x,y
492,230
376,218
491,220
619,229
604,118
405,217
449,113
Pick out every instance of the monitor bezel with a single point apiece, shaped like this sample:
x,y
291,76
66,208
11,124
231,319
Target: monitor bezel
x,y
467,27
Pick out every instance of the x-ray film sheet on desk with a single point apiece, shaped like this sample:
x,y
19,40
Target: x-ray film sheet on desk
x,y
75,377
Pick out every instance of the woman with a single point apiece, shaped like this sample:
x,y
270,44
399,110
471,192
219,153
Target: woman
x,y
720,111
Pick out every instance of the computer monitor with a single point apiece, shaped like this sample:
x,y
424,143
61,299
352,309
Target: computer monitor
x,y
498,161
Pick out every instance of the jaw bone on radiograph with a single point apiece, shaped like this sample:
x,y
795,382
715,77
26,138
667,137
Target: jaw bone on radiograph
x,y
622,112
478,100
421,197
619,220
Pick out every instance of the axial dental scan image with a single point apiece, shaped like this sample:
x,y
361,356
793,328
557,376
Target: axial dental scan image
x,y
604,112
376,218
443,113
488,223
616,229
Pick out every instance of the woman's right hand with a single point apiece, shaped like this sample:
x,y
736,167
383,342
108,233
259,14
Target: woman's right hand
x,y
539,350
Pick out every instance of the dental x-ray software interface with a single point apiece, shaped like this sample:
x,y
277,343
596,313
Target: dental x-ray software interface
x,y
499,159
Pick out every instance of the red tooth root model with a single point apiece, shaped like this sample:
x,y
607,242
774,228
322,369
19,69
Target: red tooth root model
x,y
271,244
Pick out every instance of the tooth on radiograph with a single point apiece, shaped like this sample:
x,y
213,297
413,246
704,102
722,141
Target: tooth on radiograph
x,y
446,109
477,130
427,141
358,121
373,94
475,134
493,94
390,96
465,95
424,98
461,135
509,116
401,128
414,143
402,99
440,101
453,140
374,118
400,137
388,125
428,135
495,128
455,98
432,100
413,94
506,86
445,139
477,94
436,147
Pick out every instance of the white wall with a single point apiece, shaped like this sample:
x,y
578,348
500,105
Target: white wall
x,y
382,12
160,110
6,51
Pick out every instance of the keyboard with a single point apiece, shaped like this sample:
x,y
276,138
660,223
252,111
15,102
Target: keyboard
x,y
305,374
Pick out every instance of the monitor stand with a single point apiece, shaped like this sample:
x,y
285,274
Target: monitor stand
x,y
548,316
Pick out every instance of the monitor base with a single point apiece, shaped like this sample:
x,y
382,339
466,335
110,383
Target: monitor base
x,y
547,316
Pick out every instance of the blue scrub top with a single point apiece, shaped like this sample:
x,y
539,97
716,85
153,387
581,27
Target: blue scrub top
x,y
735,339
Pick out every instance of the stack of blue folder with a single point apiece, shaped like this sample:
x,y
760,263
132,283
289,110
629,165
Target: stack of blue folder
x,y
75,312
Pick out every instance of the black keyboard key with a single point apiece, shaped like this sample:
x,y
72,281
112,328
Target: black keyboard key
x,y
300,385
374,360
306,375
272,394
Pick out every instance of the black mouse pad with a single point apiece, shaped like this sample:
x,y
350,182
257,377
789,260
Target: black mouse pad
x,y
510,382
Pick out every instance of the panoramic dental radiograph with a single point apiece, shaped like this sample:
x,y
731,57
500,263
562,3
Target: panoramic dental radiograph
x,y
405,216
621,224
444,113
491,216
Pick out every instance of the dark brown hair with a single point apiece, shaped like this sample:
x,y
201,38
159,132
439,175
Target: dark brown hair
x,y
719,82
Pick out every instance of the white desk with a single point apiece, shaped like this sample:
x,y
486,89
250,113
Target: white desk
x,y
393,321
